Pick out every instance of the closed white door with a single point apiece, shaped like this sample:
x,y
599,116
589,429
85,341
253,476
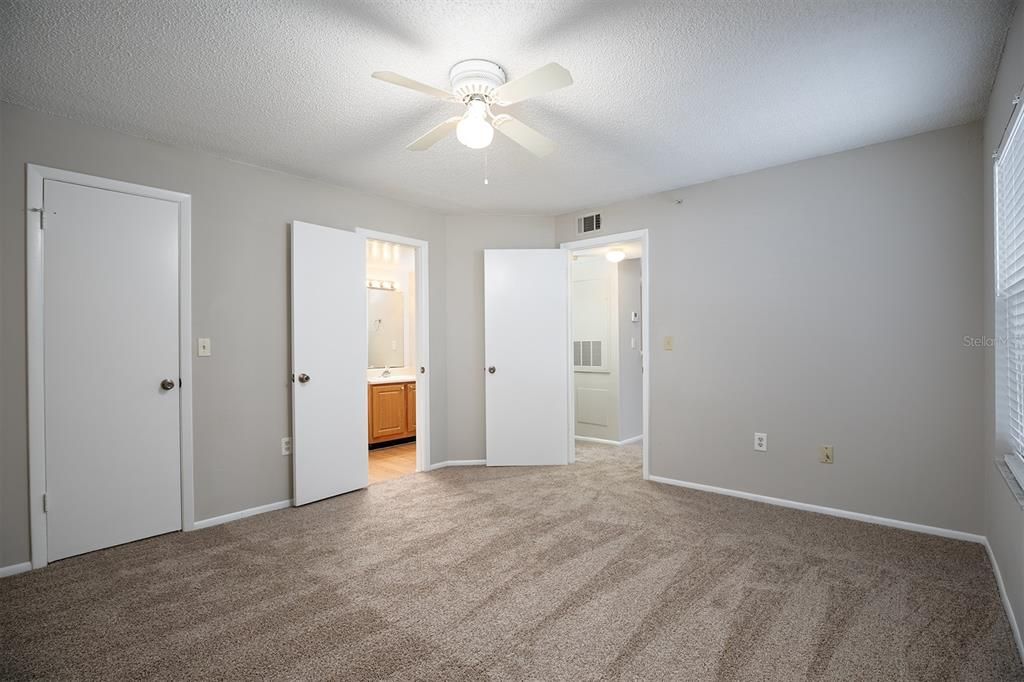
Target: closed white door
x,y
111,367
526,338
329,357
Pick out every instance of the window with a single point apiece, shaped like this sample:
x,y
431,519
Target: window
x,y
1008,181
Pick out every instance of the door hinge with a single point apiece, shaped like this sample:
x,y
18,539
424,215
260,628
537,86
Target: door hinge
x,y
42,216
45,508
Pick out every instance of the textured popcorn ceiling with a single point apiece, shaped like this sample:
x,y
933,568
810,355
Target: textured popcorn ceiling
x,y
666,94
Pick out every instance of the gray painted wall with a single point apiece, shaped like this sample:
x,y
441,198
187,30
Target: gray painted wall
x,y
466,239
631,375
240,217
1003,517
823,302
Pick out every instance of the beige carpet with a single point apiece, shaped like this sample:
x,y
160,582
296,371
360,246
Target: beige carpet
x,y
581,572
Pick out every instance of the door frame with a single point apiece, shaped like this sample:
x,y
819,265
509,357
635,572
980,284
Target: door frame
x,y
645,326
421,249
35,221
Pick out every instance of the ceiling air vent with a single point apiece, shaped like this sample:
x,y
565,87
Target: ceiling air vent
x,y
588,223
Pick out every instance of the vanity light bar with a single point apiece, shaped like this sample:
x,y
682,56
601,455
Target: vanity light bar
x,y
385,284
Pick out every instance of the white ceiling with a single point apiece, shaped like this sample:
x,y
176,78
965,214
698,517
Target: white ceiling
x,y
666,94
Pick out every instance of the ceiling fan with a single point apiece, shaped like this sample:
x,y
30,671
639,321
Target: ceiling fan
x,y
479,85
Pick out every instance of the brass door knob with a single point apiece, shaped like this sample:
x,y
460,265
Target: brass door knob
x,y
303,378
167,384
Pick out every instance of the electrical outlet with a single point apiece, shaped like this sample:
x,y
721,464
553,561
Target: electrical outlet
x,y
203,348
286,446
668,343
826,454
761,442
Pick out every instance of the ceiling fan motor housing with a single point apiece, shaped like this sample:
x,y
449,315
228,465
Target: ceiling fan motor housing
x,y
476,77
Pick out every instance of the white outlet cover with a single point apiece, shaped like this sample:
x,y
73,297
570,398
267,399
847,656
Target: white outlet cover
x,y
286,446
761,442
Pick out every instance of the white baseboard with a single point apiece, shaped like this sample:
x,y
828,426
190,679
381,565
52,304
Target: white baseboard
x,y
830,511
15,569
605,441
1007,606
234,516
458,463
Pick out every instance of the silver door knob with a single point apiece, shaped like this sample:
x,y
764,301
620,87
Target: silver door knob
x,y
423,370
303,378
167,384
491,370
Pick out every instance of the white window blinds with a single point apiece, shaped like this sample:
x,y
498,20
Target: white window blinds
x,y
1009,222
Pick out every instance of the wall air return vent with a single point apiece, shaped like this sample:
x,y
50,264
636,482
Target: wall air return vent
x,y
586,224
587,354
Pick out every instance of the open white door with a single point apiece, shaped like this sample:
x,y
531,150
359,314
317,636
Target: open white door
x,y
329,443
526,339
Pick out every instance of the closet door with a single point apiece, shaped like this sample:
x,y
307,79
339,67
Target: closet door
x,y
526,343
329,356
111,358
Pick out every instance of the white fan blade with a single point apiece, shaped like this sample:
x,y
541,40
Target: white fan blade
x,y
436,133
397,79
523,135
544,79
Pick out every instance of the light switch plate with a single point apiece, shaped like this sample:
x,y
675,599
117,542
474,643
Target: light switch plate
x,y
761,442
668,343
634,316
826,454
203,348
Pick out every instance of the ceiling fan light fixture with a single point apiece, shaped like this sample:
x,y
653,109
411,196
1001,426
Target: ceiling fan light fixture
x,y
480,84
474,130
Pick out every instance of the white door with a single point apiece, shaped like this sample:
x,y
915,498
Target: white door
x,y
110,320
329,355
526,338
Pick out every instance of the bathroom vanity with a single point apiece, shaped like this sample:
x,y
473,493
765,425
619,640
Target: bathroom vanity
x,y
392,413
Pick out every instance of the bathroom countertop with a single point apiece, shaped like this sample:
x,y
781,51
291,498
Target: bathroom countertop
x,y
393,379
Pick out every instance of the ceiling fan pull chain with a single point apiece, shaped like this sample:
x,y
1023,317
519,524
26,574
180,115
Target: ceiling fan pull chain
x,y
486,181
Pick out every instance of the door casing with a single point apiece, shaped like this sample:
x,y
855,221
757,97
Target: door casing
x,y
35,217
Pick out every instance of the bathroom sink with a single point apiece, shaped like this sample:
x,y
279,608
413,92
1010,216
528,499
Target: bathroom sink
x,y
393,379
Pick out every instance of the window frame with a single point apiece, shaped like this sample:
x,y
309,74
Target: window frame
x,y
1013,135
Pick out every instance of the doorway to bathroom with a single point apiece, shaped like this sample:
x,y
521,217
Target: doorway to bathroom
x,y
397,338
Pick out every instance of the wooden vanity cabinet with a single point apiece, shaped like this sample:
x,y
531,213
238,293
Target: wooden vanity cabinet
x,y
410,409
392,413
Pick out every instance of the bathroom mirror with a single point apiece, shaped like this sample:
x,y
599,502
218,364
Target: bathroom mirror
x,y
386,312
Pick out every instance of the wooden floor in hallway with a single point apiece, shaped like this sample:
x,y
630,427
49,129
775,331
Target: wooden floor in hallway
x,y
393,462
